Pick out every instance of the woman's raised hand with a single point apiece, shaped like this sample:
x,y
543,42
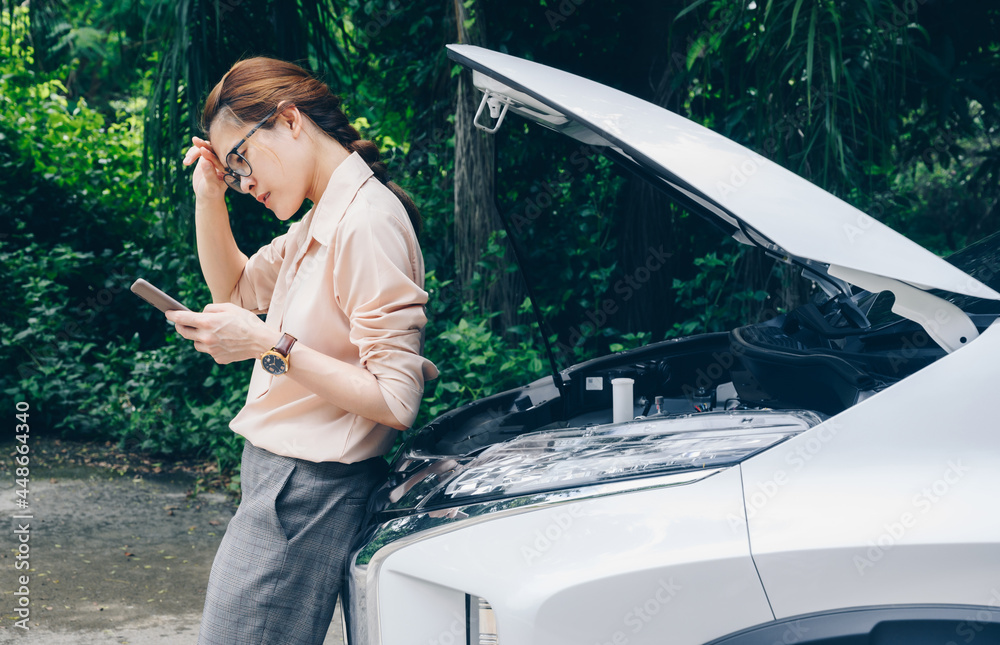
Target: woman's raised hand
x,y
208,180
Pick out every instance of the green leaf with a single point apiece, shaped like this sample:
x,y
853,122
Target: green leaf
x,y
810,52
691,7
794,22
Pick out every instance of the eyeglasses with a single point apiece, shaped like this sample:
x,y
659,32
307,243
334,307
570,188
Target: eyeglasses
x,y
237,165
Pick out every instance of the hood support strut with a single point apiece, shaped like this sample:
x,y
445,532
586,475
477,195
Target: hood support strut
x,y
556,377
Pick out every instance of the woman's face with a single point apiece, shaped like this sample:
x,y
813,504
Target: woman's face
x,y
279,159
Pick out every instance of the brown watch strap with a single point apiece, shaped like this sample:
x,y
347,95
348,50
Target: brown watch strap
x,y
284,346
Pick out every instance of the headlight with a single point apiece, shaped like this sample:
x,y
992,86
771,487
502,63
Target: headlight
x,y
561,459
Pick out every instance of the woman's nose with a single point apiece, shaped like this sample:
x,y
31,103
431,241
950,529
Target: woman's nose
x,y
247,184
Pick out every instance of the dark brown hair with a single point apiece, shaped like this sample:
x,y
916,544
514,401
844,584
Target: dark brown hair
x,y
253,87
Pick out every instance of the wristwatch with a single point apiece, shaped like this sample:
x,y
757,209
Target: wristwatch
x,y
275,360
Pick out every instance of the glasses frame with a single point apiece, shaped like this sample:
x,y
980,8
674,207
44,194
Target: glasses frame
x,y
237,183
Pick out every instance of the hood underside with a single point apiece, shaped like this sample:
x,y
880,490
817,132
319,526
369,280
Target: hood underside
x,y
757,200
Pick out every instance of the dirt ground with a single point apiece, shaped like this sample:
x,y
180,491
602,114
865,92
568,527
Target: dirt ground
x,y
120,548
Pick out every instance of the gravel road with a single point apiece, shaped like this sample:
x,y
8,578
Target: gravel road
x,y
116,555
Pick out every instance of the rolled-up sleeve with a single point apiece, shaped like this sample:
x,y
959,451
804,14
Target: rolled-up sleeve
x,y
375,287
255,286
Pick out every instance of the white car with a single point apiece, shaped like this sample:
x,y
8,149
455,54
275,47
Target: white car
x,y
831,476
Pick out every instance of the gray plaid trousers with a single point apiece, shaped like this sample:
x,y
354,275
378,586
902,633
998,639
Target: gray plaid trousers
x,y
280,565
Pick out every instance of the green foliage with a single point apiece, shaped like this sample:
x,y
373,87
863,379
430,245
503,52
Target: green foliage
x,y
561,206
473,360
61,234
712,299
101,44
899,116
474,363
853,95
78,226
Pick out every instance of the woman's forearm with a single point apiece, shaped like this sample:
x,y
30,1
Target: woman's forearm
x,y
349,387
230,333
221,260
346,386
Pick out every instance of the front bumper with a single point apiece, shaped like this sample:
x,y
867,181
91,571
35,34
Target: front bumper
x,y
635,560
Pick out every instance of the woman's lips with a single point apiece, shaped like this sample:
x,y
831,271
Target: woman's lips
x,y
263,199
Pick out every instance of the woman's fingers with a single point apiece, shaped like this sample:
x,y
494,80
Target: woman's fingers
x,y
205,152
208,179
211,169
202,148
191,155
206,146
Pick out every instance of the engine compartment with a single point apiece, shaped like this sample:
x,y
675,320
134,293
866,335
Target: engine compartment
x,y
771,373
782,364
824,356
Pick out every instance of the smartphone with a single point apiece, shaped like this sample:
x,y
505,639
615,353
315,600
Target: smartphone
x,y
155,297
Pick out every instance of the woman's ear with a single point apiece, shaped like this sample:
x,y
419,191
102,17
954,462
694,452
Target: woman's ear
x,y
291,118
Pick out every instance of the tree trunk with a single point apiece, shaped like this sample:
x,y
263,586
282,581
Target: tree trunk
x,y
475,217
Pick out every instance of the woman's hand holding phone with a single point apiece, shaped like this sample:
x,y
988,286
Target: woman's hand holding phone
x,y
227,332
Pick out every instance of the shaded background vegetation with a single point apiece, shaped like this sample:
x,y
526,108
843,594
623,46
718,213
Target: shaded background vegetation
x,y
891,105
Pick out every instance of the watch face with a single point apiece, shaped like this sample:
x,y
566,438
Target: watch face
x,y
273,364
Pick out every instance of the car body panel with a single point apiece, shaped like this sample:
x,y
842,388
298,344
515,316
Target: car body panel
x,y
802,219
601,570
884,509
887,502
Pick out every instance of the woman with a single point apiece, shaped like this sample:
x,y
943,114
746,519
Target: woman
x,y
341,369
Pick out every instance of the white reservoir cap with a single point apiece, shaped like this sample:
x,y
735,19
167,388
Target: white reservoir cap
x,y
621,392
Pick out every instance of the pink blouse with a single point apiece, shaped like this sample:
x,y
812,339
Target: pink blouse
x,y
346,280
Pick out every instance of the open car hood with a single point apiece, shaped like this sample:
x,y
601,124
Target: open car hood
x,y
754,199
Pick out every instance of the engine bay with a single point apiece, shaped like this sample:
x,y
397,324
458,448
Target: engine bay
x,y
783,364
